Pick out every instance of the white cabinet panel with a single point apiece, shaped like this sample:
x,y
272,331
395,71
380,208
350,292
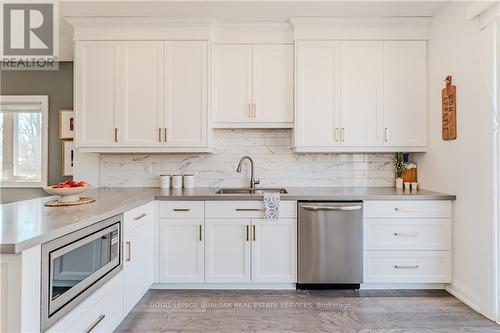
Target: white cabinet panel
x,y
406,267
98,77
407,234
138,264
405,93
227,252
361,93
274,251
317,94
182,250
186,97
142,110
273,83
232,83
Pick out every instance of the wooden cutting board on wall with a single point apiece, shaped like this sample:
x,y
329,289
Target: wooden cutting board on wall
x,y
449,108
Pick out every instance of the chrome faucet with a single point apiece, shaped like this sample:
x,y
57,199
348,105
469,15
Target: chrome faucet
x,y
253,182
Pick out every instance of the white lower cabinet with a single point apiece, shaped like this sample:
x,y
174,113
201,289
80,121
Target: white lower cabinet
x,y
138,264
274,251
182,249
227,257
407,241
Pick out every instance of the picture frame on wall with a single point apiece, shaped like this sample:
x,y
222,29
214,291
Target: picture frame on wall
x,y
67,157
66,124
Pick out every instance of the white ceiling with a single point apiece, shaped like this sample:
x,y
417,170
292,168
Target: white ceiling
x,y
235,10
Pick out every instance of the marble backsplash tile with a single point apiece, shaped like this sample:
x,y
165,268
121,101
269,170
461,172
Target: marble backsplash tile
x,y
275,164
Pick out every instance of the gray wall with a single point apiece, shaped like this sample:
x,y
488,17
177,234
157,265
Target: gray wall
x,y
58,85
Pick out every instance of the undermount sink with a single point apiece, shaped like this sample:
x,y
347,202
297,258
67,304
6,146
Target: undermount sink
x,y
251,190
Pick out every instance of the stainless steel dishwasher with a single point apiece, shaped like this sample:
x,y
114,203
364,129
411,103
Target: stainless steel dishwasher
x,y
330,245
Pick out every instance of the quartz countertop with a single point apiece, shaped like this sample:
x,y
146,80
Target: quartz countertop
x,y
28,223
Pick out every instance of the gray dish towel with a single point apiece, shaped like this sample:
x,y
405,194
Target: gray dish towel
x,y
271,206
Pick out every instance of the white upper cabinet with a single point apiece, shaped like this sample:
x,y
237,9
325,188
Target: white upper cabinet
x,y
361,93
232,83
142,95
186,94
97,80
361,96
142,109
405,93
252,85
273,83
317,94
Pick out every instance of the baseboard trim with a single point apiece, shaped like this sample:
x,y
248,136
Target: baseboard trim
x,y
461,292
392,286
230,286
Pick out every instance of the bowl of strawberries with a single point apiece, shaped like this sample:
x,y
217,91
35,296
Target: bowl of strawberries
x,y
69,191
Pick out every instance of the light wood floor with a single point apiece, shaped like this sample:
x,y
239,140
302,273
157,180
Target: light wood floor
x,y
304,311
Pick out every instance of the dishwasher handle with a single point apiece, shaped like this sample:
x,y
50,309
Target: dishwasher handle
x,y
332,208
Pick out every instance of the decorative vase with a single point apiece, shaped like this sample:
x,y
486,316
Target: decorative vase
x,y
399,183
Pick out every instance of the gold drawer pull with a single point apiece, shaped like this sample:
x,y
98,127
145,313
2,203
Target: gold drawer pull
x,y
140,216
182,209
95,323
406,267
249,209
127,258
200,233
407,209
248,232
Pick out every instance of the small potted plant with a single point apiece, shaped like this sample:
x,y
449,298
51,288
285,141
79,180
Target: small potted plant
x,y
400,167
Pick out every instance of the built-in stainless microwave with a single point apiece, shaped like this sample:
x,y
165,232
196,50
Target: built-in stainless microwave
x,y
75,265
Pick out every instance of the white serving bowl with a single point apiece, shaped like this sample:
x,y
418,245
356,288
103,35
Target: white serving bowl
x,y
68,194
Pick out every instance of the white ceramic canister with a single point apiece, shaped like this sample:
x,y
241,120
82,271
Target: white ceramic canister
x,y
414,186
189,181
164,181
176,181
407,186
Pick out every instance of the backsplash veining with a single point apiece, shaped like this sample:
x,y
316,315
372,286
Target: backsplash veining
x,y
275,164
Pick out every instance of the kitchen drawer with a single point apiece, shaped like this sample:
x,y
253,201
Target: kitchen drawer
x,y
103,307
407,234
407,209
246,209
407,267
182,209
138,216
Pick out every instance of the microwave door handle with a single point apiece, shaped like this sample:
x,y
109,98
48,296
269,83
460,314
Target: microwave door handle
x,y
332,208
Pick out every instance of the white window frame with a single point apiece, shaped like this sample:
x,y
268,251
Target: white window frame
x,y
43,100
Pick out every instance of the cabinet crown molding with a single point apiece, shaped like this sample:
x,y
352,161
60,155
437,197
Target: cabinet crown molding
x,y
363,28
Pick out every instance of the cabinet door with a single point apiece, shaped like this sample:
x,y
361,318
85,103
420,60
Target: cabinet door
x,y
274,251
232,83
97,93
273,83
181,250
405,93
186,100
317,111
227,251
142,110
361,93
138,264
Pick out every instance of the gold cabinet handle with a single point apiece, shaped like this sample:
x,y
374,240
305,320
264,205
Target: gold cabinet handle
x,y
95,323
254,114
140,216
249,209
386,134
116,134
159,134
342,134
248,232
165,134
249,106
182,209
407,209
128,251
200,233
337,136
405,234
253,232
